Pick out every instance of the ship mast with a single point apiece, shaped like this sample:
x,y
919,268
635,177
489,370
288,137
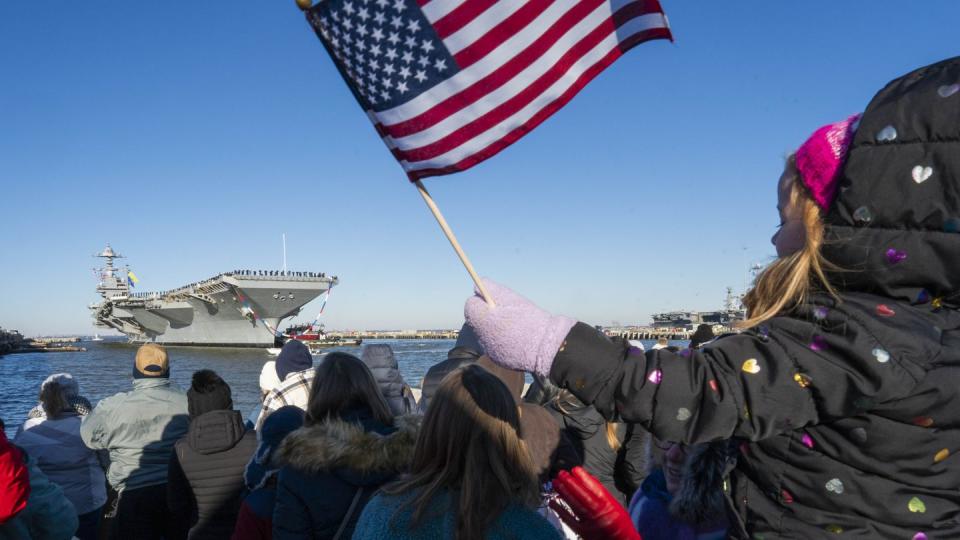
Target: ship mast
x,y
111,285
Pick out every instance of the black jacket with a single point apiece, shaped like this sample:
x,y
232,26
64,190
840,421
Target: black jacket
x,y
848,412
205,480
324,466
620,471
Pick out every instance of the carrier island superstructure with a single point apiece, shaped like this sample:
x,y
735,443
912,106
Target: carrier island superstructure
x,y
242,308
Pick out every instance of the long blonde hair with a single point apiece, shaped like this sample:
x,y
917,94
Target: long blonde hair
x,y
788,281
470,446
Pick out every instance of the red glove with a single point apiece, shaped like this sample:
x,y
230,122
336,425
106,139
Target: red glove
x,y
595,515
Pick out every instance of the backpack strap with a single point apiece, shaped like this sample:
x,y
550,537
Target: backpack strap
x,y
350,512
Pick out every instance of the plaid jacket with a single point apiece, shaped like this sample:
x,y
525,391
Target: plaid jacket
x,y
294,390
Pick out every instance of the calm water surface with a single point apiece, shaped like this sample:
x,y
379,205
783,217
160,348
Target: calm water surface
x,y
106,368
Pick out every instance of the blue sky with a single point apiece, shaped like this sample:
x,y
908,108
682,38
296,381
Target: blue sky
x,y
191,135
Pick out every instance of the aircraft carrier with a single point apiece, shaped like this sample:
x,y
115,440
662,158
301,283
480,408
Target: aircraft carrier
x,y
242,308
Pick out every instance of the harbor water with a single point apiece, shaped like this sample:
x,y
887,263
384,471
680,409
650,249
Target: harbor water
x,y
105,368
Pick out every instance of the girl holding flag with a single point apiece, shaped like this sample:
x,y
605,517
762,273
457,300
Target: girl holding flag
x,y
843,392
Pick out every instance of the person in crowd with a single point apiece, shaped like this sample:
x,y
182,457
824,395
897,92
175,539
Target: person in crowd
x,y
13,477
703,334
269,379
471,477
71,388
551,450
383,364
295,372
613,453
350,445
255,520
682,498
465,351
845,381
662,343
31,506
139,429
53,442
205,479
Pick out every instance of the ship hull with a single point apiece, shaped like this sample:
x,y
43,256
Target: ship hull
x,y
230,310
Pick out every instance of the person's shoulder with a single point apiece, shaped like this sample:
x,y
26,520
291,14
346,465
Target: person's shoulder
x,y
517,517
110,402
377,515
30,423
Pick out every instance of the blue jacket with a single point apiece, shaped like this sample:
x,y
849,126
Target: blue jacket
x,y
324,466
383,518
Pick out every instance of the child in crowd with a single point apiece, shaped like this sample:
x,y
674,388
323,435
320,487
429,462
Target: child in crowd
x,y
844,390
53,440
205,478
255,521
471,476
349,446
295,374
682,497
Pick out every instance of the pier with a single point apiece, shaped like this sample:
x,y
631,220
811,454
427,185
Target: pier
x,y
13,342
394,334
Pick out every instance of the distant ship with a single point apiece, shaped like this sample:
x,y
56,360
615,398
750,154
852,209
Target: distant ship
x,y
732,312
96,337
242,308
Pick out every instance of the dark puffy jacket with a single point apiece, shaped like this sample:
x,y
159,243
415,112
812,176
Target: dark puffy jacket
x,y
849,411
205,482
325,465
383,364
620,471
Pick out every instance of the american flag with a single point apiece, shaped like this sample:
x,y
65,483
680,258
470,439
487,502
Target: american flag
x,y
449,83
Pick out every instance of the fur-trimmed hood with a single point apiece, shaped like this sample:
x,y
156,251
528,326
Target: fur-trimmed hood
x,y
362,450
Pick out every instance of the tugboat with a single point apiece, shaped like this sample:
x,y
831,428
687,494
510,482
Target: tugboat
x,y
315,337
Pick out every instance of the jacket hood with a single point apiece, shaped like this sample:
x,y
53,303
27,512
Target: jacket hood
x,y
294,356
383,365
215,431
355,451
894,228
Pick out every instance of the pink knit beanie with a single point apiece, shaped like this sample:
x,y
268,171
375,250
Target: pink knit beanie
x,y
820,158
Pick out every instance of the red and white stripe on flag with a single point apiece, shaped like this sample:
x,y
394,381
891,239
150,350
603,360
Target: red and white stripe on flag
x,y
449,83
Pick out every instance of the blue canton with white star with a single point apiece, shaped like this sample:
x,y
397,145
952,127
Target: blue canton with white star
x,y
385,49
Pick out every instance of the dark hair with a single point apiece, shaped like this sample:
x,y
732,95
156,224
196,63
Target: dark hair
x,y
342,382
53,399
206,381
470,444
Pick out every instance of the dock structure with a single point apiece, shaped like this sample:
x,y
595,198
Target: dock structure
x,y
10,340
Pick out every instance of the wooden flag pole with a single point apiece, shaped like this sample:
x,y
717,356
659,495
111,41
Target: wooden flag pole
x,y
453,242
